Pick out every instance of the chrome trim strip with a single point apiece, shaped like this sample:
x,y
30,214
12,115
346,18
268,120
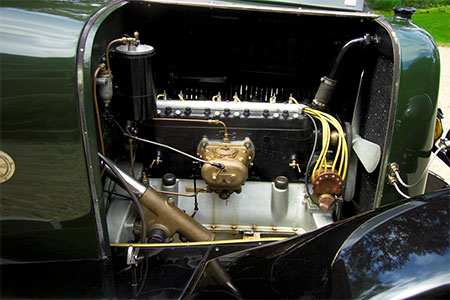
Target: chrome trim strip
x,y
83,121
264,8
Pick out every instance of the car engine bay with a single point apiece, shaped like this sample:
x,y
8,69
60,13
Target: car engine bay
x,y
248,124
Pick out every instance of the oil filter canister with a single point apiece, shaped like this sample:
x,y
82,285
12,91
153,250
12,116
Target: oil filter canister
x,y
132,69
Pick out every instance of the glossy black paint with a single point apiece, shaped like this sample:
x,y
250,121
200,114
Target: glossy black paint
x,y
378,254
405,256
69,279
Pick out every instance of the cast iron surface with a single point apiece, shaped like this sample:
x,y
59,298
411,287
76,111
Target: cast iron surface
x,y
277,143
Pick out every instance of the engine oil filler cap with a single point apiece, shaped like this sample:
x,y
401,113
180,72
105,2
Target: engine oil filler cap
x,y
281,182
169,179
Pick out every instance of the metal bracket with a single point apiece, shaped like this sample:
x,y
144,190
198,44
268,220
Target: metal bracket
x,y
132,256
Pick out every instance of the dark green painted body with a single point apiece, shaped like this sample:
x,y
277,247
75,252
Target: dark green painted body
x,y
48,207
415,102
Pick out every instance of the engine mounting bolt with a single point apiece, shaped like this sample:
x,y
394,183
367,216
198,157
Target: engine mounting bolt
x,y
187,111
226,112
246,112
265,113
276,115
285,114
207,111
168,111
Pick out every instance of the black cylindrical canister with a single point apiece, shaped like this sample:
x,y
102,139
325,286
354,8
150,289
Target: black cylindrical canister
x,y
132,71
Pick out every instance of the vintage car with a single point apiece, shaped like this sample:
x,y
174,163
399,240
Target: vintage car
x,y
219,149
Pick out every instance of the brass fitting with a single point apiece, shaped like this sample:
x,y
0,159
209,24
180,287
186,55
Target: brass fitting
x,y
119,40
144,179
161,213
392,179
218,122
334,138
393,167
293,164
236,159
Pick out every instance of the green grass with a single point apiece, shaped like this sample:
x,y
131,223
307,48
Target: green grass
x,y
434,20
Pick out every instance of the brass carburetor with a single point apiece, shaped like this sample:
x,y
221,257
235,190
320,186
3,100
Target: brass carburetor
x,y
235,156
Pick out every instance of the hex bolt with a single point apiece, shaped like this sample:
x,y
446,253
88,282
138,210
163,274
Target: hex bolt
x,y
226,112
187,111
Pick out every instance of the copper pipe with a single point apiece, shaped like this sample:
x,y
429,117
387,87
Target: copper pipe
x,y
210,121
97,112
182,194
121,40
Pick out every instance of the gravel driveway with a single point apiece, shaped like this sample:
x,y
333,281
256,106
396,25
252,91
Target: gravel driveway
x,y
444,103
